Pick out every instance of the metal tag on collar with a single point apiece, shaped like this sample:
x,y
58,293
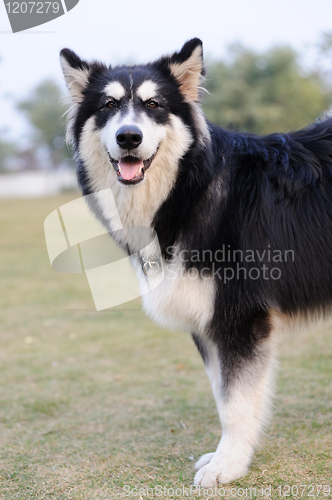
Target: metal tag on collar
x,y
151,267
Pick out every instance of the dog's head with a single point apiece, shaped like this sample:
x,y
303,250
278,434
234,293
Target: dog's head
x,y
134,115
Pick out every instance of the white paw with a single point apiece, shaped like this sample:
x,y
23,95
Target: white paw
x,y
204,459
214,474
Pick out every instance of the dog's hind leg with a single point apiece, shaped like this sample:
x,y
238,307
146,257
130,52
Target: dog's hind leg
x,y
242,387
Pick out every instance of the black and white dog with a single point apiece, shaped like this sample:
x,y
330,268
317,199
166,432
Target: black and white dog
x,y
245,220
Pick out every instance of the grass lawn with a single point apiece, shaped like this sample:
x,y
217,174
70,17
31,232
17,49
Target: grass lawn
x,y
91,401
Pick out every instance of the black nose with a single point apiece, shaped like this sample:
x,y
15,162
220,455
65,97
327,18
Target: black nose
x,y
129,137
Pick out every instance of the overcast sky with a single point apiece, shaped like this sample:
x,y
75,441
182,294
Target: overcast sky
x,y
140,30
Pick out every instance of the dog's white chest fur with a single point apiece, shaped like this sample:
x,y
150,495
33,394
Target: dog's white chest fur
x,y
181,300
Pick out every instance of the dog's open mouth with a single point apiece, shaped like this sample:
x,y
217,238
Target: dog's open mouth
x,y
131,170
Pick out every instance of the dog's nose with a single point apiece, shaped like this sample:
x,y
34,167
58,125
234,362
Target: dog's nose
x,y
129,137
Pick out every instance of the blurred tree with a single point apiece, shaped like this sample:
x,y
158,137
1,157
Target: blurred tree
x,y
324,47
325,43
6,150
263,93
45,111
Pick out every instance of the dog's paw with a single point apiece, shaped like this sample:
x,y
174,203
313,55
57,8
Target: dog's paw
x,y
204,459
214,474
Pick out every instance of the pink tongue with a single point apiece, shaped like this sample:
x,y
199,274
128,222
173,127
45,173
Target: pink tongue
x,y
129,170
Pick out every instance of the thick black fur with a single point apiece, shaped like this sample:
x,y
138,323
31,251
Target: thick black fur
x,y
276,195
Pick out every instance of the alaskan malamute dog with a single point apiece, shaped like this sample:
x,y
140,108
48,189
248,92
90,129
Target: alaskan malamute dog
x,y
246,221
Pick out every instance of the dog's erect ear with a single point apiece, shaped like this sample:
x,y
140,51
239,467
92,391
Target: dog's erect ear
x,y
76,73
187,67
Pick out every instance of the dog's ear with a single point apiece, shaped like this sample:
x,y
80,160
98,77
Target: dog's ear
x,y
76,73
187,67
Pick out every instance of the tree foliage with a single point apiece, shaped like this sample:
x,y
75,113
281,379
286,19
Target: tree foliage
x,y
45,111
325,43
7,148
263,93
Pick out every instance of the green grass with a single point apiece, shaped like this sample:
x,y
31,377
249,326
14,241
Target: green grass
x,y
91,401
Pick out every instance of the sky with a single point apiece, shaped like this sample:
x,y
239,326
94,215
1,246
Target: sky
x,y
121,31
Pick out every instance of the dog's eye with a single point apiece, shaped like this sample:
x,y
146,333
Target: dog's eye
x,y
152,104
110,104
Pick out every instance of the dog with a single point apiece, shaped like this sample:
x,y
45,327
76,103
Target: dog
x,y
244,224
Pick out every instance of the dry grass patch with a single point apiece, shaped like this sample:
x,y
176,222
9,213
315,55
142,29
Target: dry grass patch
x,y
91,402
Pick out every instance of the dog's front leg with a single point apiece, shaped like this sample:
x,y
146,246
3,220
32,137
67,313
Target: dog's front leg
x,y
243,397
